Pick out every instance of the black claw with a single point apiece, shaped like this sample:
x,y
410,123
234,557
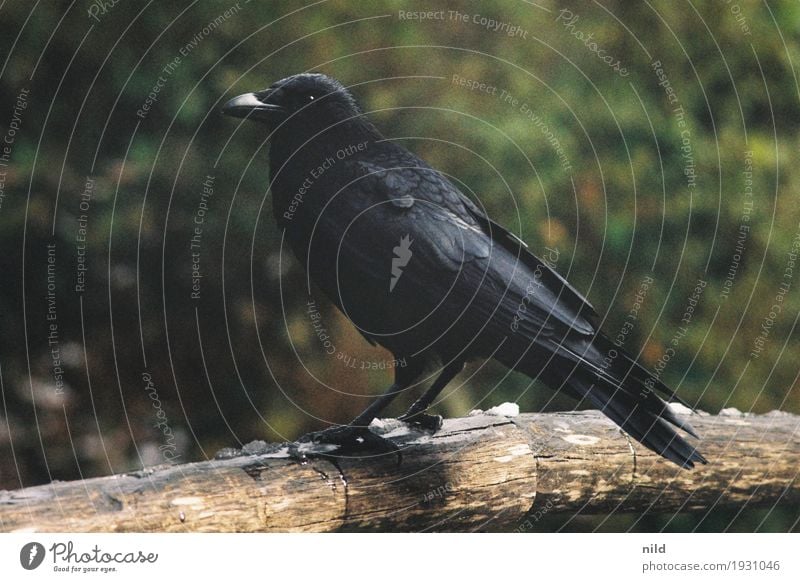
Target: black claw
x,y
431,422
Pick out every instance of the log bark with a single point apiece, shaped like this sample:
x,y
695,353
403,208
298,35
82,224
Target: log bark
x,y
481,472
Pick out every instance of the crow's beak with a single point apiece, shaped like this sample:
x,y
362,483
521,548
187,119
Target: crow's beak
x,y
250,106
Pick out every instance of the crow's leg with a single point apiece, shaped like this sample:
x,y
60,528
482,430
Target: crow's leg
x,y
356,435
416,414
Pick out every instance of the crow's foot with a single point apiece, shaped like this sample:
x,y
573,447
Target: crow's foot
x,y
431,422
348,439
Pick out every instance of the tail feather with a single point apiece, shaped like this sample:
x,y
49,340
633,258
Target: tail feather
x,y
619,386
639,417
627,393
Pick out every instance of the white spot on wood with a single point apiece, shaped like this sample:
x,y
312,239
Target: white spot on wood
x,y
679,408
518,450
733,416
506,409
731,412
279,505
515,451
582,439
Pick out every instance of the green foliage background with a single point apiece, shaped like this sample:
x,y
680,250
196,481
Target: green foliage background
x,y
243,362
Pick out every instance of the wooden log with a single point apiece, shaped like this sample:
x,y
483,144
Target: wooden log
x,y
482,472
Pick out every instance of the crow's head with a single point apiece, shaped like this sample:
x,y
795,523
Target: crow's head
x,y
309,100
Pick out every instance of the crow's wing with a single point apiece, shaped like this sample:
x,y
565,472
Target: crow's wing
x,y
519,248
460,236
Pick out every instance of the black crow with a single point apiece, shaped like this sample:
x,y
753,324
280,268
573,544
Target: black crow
x,y
423,271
